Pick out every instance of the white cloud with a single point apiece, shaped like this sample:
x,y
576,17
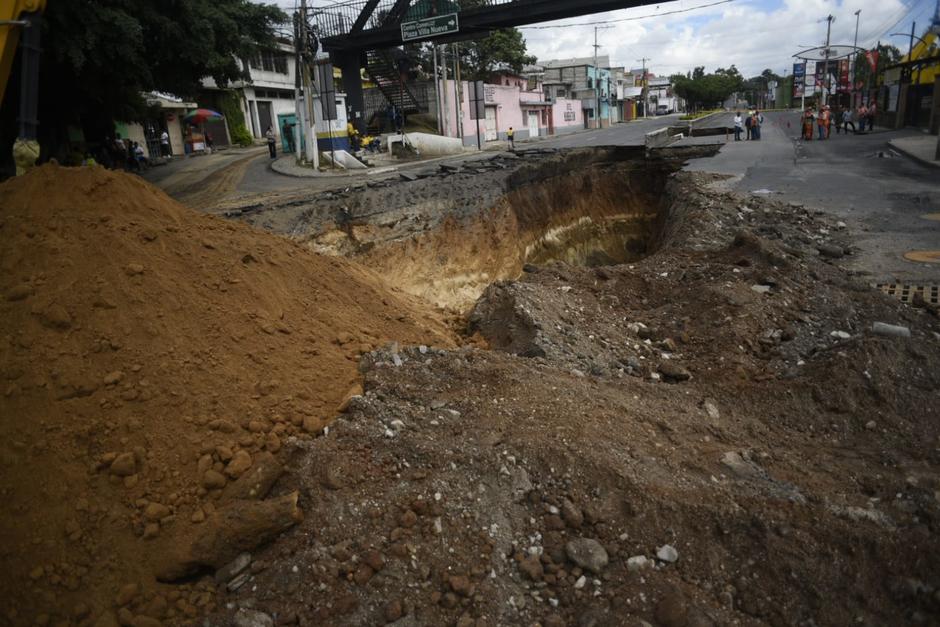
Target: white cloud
x,y
750,34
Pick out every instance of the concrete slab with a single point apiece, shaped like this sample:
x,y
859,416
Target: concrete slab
x,y
923,148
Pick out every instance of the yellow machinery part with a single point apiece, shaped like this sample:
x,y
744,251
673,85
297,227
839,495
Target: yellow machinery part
x,y
10,12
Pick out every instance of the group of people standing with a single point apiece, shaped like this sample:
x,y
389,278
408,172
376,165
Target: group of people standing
x,y
750,124
823,119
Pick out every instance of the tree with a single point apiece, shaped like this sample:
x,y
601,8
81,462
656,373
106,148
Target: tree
x,y
503,48
99,56
708,90
887,55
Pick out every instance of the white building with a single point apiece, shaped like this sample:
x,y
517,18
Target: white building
x,y
269,94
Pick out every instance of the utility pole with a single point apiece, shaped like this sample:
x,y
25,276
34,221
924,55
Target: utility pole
x,y
437,93
855,56
458,93
309,123
597,92
298,106
644,94
829,20
597,80
910,48
445,104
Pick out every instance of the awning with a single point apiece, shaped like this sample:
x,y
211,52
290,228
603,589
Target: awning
x,y
167,101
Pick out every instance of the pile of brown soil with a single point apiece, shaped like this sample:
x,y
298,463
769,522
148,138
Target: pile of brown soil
x,y
153,356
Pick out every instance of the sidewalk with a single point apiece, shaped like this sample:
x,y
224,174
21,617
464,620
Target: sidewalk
x,y
922,148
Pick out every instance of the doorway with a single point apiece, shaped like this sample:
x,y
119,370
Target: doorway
x,y
491,134
533,124
265,118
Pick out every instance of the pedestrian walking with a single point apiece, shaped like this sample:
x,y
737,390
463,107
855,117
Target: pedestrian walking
x,y
862,114
837,120
828,113
165,144
847,114
871,116
756,122
272,142
738,126
510,135
821,124
808,119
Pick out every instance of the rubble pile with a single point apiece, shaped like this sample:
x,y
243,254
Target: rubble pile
x,y
719,433
208,424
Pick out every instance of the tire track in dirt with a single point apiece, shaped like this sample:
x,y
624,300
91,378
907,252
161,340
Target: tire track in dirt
x,y
216,185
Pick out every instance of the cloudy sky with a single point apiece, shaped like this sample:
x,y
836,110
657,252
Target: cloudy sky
x,y
751,34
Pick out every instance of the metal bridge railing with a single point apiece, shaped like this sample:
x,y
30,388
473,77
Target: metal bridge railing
x,y
335,20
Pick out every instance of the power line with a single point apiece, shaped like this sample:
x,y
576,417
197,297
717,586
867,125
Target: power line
x,y
628,19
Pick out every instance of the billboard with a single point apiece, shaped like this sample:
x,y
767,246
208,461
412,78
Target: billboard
x,y
799,79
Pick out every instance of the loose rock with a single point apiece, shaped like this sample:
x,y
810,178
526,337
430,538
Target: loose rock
x,y
587,553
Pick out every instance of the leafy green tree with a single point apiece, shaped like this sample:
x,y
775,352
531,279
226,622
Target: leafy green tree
x,y
887,55
505,47
99,56
707,90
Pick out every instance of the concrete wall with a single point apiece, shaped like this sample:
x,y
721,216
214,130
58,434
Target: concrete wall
x,y
575,113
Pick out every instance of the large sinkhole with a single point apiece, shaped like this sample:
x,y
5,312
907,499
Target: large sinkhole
x,y
590,207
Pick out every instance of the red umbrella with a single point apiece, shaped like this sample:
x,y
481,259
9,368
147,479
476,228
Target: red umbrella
x,y
199,116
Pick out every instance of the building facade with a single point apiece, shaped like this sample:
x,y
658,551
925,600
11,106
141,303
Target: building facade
x,y
580,79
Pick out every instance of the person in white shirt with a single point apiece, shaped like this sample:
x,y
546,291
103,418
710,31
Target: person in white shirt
x,y
165,144
738,125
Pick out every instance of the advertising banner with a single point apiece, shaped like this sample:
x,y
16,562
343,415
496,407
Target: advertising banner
x,y
799,79
844,84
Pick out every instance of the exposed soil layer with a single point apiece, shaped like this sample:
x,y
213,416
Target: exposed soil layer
x,y
452,231
155,361
713,434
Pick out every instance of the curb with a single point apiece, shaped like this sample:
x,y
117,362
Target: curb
x,y
930,162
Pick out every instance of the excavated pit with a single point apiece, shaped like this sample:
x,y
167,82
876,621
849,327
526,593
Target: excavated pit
x,y
586,207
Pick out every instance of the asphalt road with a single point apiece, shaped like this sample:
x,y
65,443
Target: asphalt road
x,y
627,134
881,195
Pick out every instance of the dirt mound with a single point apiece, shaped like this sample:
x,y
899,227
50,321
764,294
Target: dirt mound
x,y
155,361
716,434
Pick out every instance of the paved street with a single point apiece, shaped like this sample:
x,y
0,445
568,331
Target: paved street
x,y
630,133
879,194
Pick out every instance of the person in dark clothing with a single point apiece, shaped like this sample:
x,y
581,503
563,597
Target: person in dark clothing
x,y
272,142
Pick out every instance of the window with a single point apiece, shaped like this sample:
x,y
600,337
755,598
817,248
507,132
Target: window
x,y
269,61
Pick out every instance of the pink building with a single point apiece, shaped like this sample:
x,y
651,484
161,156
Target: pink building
x,y
508,104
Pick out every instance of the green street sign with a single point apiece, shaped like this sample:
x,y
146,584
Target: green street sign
x,y
430,27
